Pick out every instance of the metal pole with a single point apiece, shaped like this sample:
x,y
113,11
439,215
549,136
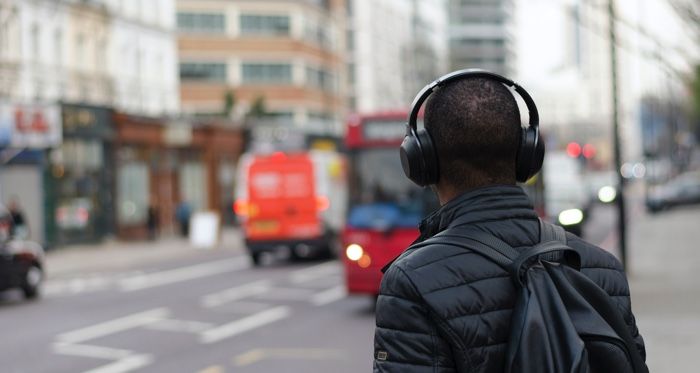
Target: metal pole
x,y
621,223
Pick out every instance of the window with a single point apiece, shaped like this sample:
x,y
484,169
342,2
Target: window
x,y
267,73
203,71
252,24
132,193
193,184
320,78
80,50
35,43
201,22
483,43
58,47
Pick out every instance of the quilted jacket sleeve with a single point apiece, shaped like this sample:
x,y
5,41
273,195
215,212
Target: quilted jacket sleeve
x,y
405,339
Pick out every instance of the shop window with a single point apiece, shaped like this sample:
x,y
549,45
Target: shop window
x,y
132,193
278,73
201,22
203,71
256,24
193,187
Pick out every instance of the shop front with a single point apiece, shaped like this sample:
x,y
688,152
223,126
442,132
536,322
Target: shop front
x,y
164,166
81,177
27,132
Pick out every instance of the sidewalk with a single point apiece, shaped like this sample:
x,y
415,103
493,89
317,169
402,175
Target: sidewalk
x,y
664,273
124,256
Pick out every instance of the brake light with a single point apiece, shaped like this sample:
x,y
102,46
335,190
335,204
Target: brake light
x,y
241,207
322,203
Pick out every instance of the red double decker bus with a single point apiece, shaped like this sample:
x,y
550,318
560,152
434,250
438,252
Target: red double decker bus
x,y
385,208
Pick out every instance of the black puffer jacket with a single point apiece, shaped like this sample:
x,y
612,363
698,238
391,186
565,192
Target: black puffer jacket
x,y
447,309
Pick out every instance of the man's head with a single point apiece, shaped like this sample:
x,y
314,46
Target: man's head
x,y
475,126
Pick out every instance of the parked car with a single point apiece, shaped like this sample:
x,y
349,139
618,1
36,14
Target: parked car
x,y
681,190
21,260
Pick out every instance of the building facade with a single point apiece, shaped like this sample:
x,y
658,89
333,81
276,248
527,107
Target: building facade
x,y
482,35
285,56
395,47
67,68
116,53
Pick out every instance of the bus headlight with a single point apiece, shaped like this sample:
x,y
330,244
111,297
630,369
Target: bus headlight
x,y
354,252
570,217
607,194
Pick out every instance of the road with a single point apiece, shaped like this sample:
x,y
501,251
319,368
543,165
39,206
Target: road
x,y
205,313
213,315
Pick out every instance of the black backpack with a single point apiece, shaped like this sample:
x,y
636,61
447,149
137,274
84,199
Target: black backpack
x,y
562,322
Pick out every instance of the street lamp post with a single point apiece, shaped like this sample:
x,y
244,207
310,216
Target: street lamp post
x,y
621,223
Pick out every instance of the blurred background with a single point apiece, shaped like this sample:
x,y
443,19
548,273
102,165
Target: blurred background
x,y
213,185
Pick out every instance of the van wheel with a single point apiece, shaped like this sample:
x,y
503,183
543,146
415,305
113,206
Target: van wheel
x,y
256,258
32,281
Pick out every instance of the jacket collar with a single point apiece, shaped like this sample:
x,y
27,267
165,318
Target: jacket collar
x,y
488,203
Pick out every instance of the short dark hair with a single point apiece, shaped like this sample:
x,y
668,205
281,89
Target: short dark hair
x,y
475,126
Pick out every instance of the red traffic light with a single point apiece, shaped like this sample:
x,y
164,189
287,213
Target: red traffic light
x,y
589,151
573,149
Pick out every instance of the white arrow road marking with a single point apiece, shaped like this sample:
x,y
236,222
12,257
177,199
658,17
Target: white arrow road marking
x,y
187,326
95,352
245,324
235,293
124,365
114,326
183,274
329,296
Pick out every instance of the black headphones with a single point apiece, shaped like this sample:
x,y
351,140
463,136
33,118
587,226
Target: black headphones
x,y
419,156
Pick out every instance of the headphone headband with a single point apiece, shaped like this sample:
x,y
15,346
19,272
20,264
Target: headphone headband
x,y
533,115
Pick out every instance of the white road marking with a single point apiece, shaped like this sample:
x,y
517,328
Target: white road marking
x,y
114,326
95,352
183,274
213,369
245,324
235,293
314,272
329,296
187,326
124,365
282,294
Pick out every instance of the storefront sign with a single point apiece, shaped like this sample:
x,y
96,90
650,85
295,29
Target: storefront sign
x,y
177,134
30,126
86,121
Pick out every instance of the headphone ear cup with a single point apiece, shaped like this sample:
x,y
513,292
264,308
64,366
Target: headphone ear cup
x,y
430,158
411,162
530,155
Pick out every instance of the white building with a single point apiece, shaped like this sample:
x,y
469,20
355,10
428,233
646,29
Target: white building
x,y
481,35
395,48
142,56
118,53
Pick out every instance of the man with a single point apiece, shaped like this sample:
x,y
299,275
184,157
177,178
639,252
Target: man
x,y
19,225
450,310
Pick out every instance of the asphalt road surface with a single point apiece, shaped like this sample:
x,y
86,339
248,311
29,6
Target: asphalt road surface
x,y
211,314
214,315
